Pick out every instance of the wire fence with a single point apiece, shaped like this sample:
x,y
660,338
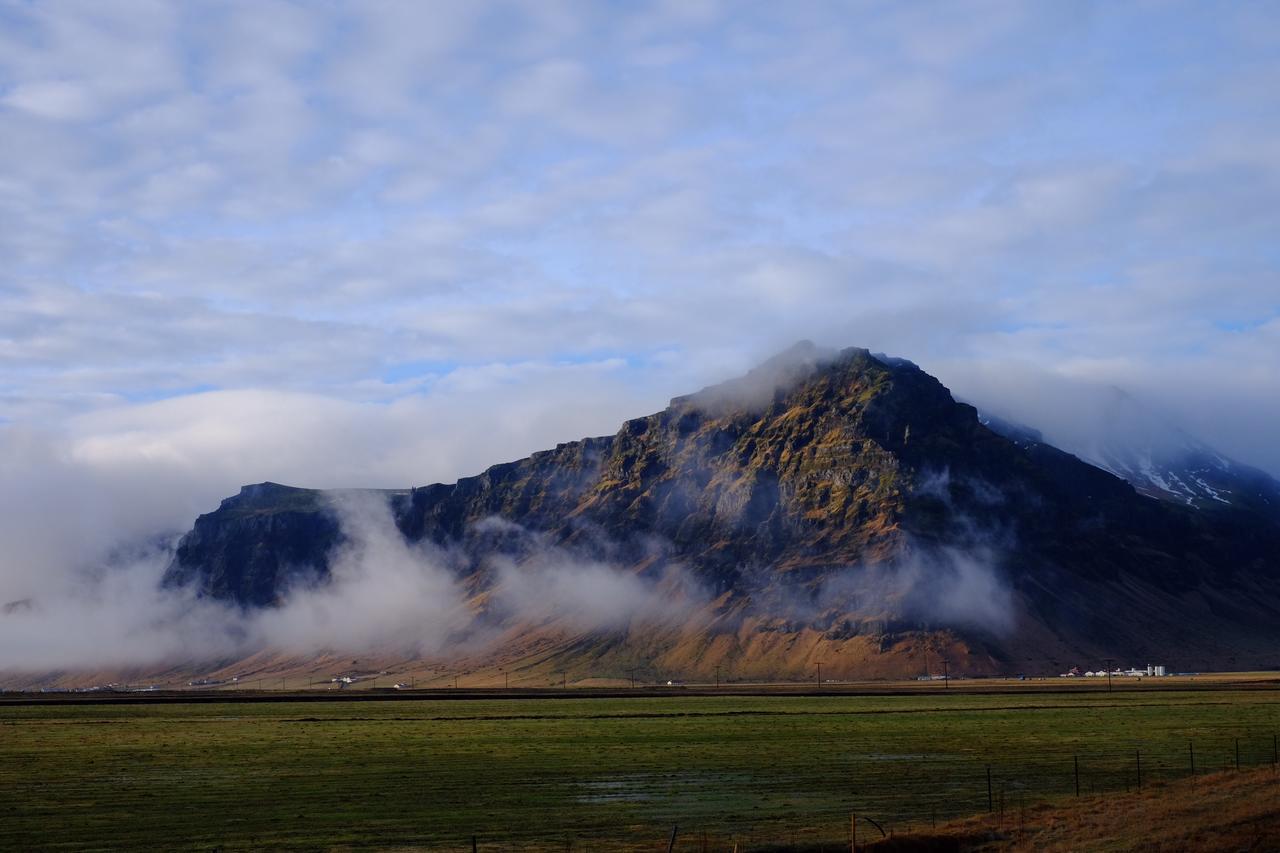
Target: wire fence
x,y
920,792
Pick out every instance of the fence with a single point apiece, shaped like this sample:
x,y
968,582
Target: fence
x,y
930,790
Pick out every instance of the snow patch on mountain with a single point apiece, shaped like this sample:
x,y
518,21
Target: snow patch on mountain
x,y
1152,453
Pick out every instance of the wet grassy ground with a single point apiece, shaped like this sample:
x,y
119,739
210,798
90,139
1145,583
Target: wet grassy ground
x,y
596,773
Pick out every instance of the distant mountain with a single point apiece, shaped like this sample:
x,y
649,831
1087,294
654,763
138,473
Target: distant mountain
x,y
1161,460
835,506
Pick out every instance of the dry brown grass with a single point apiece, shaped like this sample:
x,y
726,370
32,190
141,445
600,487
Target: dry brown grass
x,y
1222,811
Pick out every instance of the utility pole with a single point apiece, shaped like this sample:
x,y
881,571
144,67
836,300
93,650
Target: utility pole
x,y
946,674
819,675
717,675
455,682
564,680
1108,662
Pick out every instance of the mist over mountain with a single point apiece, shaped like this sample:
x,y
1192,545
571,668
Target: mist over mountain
x,y
828,504
832,505
1158,458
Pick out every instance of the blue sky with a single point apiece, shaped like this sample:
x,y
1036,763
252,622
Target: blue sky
x,y
387,243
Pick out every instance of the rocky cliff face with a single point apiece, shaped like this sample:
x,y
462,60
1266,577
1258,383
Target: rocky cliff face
x,y
256,544
784,479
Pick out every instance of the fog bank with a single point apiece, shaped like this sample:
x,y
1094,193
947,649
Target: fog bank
x,y
383,594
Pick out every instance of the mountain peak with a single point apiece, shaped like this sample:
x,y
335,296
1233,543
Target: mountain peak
x,y
777,375
800,351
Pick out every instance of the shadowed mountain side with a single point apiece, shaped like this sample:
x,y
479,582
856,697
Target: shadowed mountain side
x,y
1159,459
826,504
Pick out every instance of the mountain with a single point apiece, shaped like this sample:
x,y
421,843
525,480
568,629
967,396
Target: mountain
x,y
1161,460
833,506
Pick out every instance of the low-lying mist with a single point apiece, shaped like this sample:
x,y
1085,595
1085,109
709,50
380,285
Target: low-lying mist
x,y
382,594
936,586
931,587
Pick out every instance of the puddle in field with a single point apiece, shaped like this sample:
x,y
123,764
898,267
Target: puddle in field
x,y
615,791
654,787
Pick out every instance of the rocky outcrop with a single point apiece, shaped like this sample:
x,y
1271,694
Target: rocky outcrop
x,y
257,544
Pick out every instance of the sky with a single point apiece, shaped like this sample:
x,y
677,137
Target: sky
x,y
385,244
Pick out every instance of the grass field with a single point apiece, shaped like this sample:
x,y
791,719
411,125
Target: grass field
x,y
591,773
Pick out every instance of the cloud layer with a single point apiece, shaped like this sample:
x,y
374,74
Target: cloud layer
x,y
383,594
357,200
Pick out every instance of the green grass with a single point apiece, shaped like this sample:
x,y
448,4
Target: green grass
x,y
534,772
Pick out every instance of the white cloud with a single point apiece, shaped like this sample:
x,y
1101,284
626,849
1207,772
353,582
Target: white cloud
x,y
56,99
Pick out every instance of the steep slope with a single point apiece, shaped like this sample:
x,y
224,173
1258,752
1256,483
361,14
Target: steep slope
x,y
824,500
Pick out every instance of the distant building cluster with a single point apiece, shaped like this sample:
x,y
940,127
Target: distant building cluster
x,y
111,687
1152,671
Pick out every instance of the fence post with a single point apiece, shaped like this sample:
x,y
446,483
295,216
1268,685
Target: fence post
x,y
1137,760
671,845
1237,755
473,844
1275,751
1191,751
853,832
990,802
1077,758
